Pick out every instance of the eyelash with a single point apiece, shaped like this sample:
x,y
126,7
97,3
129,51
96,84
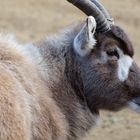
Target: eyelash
x,y
112,53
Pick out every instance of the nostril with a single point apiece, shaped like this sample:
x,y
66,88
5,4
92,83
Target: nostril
x,y
131,70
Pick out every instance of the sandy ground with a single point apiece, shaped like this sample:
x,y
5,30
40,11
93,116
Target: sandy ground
x,y
32,20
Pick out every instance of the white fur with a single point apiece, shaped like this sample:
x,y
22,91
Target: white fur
x,y
91,31
78,43
133,106
124,64
8,39
85,41
30,52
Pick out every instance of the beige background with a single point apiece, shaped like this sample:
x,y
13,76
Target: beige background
x,y
32,20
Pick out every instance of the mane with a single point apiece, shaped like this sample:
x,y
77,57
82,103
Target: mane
x,y
65,37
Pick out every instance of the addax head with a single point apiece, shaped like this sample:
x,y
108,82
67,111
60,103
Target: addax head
x,y
110,76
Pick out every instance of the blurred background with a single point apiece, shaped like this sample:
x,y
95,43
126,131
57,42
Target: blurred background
x,y
32,20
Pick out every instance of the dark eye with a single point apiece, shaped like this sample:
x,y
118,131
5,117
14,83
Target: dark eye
x,y
112,53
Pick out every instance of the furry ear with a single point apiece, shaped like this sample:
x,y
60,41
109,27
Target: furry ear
x,y
84,42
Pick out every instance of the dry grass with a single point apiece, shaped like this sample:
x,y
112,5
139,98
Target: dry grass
x,y
31,20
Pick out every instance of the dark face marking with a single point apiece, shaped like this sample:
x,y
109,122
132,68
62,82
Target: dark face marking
x,y
125,44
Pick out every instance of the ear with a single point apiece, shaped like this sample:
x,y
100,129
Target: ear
x,y
84,42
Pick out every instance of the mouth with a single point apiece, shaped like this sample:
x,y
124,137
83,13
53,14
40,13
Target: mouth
x,y
134,105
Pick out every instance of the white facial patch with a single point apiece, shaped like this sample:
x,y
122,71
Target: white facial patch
x,y
133,106
124,64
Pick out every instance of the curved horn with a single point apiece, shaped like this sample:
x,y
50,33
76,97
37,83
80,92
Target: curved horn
x,y
90,9
104,11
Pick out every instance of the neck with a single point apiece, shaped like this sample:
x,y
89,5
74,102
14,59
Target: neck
x,y
74,76
67,88
62,75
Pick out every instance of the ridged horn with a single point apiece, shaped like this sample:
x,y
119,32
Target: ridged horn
x,y
90,9
104,11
